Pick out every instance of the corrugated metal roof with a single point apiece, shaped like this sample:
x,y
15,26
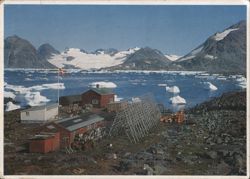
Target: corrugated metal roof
x,y
42,136
77,122
36,108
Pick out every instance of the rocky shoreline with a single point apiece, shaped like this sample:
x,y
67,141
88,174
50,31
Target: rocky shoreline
x,y
212,141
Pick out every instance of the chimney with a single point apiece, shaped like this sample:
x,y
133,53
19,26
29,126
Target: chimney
x,y
97,85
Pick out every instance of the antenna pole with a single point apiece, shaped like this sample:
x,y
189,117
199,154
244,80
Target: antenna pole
x,y
58,92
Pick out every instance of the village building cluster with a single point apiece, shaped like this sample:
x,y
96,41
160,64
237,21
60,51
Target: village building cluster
x,y
80,120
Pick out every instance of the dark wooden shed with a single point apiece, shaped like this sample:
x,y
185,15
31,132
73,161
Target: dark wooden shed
x,y
69,100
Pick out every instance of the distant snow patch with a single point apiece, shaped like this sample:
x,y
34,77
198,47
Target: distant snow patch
x,y
197,50
173,57
186,58
10,106
210,57
103,84
210,86
88,61
222,35
177,100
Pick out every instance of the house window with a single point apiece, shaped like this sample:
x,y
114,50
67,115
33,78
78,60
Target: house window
x,y
95,101
27,113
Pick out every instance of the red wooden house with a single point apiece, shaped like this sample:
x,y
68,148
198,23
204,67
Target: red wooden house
x,y
70,127
98,97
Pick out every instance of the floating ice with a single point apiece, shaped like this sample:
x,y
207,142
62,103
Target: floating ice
x,y
177,100
10,106
242,81
162,85
35,98
8,94
210,86
117,98
103,84
24,90
173,89
136,100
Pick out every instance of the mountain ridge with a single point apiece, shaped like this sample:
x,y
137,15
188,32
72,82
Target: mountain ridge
x,y
223,51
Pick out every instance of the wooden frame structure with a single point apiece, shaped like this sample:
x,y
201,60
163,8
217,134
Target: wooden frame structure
x,y
137,118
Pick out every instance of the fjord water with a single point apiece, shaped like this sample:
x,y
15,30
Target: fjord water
x,y
129,84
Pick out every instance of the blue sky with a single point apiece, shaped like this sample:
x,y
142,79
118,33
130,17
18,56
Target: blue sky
x,y
171,29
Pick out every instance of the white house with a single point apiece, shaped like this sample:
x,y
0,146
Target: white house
x,y
39,114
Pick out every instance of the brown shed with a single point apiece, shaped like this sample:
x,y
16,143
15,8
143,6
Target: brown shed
x,y
98,97
44,142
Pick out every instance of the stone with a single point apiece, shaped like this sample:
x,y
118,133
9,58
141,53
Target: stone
x,y
239,161
160,151
223,168
219,140
149,170
212,154
159,169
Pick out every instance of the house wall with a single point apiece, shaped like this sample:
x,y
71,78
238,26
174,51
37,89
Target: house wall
x,y
45,145
88,96
51,113
33,116
65,136
38,116
105,99
37,146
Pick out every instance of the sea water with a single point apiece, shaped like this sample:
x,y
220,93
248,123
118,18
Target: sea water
x,y
37,87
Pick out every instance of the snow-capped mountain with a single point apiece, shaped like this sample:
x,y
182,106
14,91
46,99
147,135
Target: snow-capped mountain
x,y
145,59
77,58
222,52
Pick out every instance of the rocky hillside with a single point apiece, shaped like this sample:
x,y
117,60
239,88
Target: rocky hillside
x,y
222,52
20,53
45,51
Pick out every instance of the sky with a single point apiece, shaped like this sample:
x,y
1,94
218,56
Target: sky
x,y
172,29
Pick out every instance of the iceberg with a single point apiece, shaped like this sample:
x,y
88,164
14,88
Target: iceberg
x,y
103,84
210,86
177,100
8,94
10,106
173,89
35,98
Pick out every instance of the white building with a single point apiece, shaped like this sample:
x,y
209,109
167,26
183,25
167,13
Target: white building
x,y
39,114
